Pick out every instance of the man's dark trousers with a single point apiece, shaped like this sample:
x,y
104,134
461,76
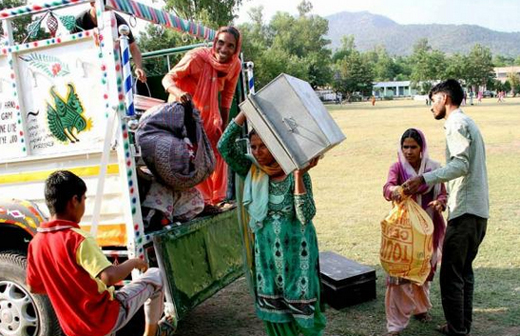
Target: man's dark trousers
x,y
463,237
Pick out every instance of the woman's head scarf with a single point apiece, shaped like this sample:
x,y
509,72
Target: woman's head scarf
x,y
204,89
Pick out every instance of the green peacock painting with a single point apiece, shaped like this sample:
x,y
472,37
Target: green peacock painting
x,y
66,116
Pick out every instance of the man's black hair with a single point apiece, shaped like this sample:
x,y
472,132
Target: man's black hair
x,y
60,187
450,87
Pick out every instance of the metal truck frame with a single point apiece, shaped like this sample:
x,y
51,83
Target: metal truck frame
x,y
83,76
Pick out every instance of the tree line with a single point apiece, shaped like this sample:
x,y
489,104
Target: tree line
x,y
297,45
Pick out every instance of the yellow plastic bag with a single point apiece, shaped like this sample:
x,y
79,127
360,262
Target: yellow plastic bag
x,y
407,242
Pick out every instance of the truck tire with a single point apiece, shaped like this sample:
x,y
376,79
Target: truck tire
x,y
22,313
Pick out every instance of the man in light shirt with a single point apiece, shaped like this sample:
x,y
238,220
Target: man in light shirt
x,y
468,204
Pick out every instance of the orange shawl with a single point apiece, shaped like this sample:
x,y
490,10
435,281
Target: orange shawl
x,y
200,74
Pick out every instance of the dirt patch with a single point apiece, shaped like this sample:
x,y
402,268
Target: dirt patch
x,y
500,148
512,331
229,312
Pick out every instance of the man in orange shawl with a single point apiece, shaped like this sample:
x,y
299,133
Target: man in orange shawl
x,y
200,76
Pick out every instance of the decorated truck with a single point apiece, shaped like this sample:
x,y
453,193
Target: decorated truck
x,y
66,102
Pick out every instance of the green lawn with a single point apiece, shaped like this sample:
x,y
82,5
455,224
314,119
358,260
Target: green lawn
x,y
348,186
348,190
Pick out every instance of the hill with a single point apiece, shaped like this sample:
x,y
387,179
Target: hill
x,y
371,30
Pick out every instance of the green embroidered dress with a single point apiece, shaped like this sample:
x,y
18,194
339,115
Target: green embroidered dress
x,y
286,249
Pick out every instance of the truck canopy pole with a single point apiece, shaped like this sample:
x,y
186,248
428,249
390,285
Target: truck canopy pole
x,y
38,8
161,17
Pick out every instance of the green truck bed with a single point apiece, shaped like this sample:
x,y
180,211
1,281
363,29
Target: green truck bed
x,y
199,258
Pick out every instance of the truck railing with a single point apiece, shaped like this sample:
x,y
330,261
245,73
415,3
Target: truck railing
x,y
115,106
134,8
161,17
10,13
171,51
221,232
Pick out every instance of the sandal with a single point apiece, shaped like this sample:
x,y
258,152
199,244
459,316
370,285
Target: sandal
x,y
166,326
443,329
210,210
423,317
227,205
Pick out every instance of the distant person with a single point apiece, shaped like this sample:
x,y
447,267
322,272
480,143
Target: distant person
x,y
66,263
201,76
479,96
500,96
468,204
373,100
281,209
88,20
403,298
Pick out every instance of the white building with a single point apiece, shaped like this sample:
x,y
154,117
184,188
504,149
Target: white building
x,y
501,73
393,89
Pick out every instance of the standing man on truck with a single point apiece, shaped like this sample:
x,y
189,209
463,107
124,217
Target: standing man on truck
x,y
88,20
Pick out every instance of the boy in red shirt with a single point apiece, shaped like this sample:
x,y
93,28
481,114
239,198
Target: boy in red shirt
x,y
66,263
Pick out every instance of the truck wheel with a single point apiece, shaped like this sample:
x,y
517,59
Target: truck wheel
x,y
22,313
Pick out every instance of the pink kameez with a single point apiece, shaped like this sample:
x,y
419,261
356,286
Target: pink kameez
x,y
404,298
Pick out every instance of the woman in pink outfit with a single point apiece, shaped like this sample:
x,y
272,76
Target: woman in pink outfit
x,y
404,298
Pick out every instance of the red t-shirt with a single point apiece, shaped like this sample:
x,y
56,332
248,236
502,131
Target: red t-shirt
x,y
63,262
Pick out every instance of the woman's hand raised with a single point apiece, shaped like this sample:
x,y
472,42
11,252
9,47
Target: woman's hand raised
x,y
312,163
299,186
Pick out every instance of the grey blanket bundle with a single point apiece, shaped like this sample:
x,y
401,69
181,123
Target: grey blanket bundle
x,y
162,135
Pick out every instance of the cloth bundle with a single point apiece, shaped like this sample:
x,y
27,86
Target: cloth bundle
x,y
164,135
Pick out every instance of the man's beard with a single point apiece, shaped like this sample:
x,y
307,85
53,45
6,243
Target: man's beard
x,y
441,114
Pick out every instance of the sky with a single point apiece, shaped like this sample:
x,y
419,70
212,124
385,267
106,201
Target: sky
x,y
500,15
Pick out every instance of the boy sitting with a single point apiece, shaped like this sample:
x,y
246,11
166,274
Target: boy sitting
x,y
66,263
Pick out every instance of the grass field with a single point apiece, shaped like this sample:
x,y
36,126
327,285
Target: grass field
x,y
348,191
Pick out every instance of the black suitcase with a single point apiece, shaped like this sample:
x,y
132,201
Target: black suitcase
x,y
345,282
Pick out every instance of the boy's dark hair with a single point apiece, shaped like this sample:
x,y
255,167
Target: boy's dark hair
x,y
412,133
60,187
450,87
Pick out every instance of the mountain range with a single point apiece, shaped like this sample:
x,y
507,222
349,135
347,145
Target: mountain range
x,y
370,30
